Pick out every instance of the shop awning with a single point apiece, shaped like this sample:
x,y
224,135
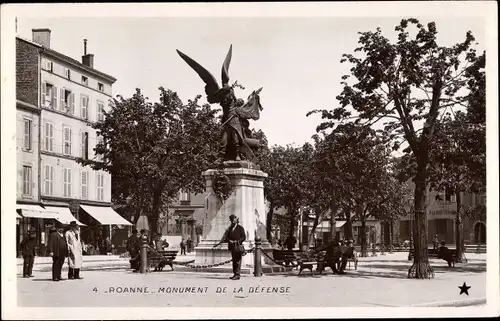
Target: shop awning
x,y
105,215
35,211
63,215
18,216
339,223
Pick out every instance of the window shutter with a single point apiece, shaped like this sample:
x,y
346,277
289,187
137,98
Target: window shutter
x,y
51,180
47,175
26,134
46,140
72,103
62,107
44,91
54,97
51,137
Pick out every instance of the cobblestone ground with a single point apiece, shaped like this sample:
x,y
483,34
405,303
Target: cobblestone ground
x,y
379,281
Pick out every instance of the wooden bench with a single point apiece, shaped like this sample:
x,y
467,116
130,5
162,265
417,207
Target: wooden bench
x,y
433,253
287,257
309,261
159,259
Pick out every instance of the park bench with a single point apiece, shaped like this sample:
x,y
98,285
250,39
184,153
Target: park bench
x,y
157,260
309,261
286,257
433,253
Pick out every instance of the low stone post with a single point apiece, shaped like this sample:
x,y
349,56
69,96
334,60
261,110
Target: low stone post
x,y
256,257
144,253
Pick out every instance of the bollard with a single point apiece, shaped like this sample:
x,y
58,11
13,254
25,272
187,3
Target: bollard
x,y
144,254
256,258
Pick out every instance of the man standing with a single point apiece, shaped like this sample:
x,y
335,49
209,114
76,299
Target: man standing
x,y
133,249
235,236
28,249
183,247
58,250
74,251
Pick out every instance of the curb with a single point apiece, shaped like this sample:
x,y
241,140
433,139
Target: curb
x,y
455,303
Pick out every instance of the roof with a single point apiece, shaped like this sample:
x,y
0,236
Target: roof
x,y
71,61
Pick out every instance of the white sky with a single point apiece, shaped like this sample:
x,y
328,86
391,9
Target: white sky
x,y
296,60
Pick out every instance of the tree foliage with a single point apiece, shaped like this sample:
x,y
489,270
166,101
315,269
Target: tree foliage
x,y
408,84
153,150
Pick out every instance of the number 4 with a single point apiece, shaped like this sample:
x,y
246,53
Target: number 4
x,y
95,290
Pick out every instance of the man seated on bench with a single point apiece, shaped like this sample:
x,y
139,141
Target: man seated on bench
x,y
445,254
332,256
347,254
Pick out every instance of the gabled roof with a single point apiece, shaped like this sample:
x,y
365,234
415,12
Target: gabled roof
x,y
75,63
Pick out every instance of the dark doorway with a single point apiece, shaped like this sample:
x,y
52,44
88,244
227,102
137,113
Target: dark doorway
x,y
480,233
386,230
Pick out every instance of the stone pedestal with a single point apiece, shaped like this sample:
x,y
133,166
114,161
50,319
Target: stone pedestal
x,y
246,202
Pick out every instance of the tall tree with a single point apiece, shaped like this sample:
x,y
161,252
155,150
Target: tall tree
x,y
153,150
408,84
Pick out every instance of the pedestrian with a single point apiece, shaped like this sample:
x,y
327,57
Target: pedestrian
x,y
290,242
133,249
347,253
108,246
435,242
183,247
28,249
75,258
158,243
189,244
235,236
58,250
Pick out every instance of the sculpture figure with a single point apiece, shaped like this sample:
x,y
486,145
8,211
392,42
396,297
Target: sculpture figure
x,y
236,140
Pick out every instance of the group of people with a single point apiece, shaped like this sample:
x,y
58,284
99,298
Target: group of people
x,y
337,254
186,245
61,245
134,246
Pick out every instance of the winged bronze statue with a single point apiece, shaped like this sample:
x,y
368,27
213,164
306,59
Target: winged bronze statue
x,y
236,135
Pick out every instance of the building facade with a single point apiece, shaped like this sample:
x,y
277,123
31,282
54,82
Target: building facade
x,y
62,97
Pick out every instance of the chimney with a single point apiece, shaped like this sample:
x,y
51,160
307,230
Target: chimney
x,y
87,59
41,36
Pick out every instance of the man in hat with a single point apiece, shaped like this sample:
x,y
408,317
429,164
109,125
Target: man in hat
x,y
133,249
58,250
75,259
235,236
28,249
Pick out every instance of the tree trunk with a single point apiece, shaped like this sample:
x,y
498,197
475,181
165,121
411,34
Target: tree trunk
x,y
348,227
269,223
364,252
421,268
333,224
310,239
155,215
459,237
292,224
391,227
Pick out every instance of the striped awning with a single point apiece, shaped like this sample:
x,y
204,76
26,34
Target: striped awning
x,y
64,215
35,211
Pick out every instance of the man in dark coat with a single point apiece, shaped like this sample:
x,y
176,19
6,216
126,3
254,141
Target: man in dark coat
x,y
347,253
133,249
28,249
58,249
235,236
445,254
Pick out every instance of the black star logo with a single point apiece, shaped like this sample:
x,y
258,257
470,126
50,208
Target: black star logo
x,y
464,289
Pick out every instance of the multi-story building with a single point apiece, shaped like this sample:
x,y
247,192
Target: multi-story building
x,y
69,96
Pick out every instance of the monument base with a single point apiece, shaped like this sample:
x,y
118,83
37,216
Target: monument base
x,y
206,254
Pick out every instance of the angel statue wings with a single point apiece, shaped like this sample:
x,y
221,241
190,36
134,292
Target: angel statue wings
x,y
236,135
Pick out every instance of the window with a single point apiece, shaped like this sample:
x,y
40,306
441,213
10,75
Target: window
x,y
67,101
27,134
67,73
48,180
100,187
85,81
100,86
84,107
99,142
85,185
450,196
184,197
49,137
27,180
67,182
67,140
49,65
85,145
100,111
49,95
440,227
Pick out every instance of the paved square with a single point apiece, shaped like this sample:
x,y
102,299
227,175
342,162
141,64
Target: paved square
x,y
379,281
